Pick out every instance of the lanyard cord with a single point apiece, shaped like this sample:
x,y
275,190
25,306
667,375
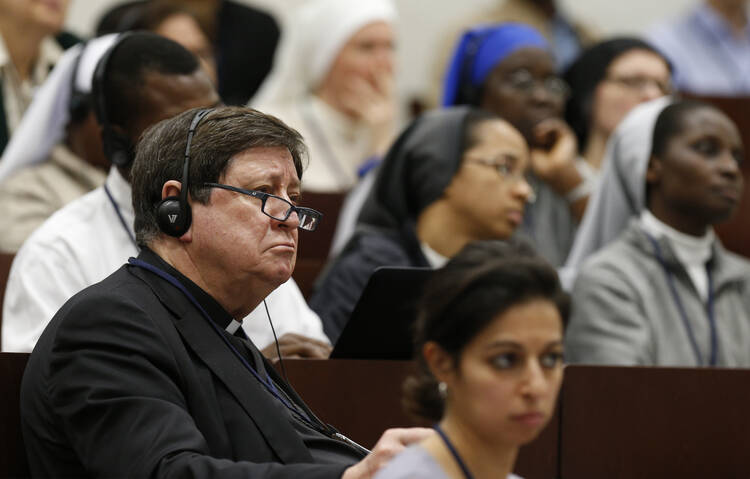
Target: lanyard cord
x,y
454,452
267,382
681,308
120,217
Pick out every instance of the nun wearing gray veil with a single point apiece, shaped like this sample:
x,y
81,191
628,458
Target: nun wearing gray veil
x,y
621,192
424,171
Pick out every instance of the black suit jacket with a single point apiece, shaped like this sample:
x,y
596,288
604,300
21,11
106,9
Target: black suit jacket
x,y
129,380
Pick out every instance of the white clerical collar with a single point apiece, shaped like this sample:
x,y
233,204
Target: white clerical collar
x,y
689,249
435,259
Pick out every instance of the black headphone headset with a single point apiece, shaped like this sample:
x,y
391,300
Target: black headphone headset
x,y
117,147
468,93
173,212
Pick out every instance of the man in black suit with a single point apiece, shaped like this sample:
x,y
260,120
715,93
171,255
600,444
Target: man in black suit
x,y
147,374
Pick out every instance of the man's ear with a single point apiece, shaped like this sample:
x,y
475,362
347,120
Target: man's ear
x,y
171,188
441,363
654,170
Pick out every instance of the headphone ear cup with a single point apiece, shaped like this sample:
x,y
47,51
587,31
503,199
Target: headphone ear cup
x,y
117,147
173,216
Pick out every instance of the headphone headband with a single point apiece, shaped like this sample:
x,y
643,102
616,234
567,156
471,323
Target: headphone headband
x,y
117,147
173,213
199,115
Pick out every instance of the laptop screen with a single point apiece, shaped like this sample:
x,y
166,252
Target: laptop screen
x,y
381,325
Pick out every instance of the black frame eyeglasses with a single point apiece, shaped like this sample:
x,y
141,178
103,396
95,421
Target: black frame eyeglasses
x,y
280,209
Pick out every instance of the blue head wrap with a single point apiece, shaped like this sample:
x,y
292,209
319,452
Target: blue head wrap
x,y
480,50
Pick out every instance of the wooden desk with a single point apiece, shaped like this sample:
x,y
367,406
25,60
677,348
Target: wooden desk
x,y
655,423
611,422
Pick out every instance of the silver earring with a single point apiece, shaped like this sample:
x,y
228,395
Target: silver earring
x,y
443,389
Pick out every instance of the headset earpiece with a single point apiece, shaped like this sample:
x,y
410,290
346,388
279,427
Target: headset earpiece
x,y
174,216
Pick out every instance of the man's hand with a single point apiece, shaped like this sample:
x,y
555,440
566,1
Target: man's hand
x,y
297,346
390,443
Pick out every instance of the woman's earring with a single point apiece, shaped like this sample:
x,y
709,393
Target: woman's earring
x,y
443,389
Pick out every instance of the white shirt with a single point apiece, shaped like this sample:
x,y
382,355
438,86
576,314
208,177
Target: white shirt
x,y
692,251
435,259
85,242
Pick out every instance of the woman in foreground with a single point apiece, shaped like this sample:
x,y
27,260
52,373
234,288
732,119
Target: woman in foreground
x,y
489,341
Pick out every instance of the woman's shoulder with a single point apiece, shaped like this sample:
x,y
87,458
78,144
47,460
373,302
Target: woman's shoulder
x,y
416,463
413,463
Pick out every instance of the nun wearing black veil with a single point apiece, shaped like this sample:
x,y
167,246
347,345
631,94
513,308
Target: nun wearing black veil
x,y
452,177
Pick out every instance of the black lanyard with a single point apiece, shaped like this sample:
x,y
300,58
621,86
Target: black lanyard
x,y
713,352
119,216
454,452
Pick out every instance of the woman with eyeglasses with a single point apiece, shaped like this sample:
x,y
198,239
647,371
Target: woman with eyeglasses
x,y
606,81
490,363
454,176
508,69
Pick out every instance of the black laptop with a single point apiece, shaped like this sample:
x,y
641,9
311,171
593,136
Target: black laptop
x,y
380,326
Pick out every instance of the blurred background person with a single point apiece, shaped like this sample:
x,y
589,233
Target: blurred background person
x,y
244,40
169,20
489,345
508,69
56,154
666,292
453,176
333,81
566,36
28,51
709,48
606,81
72,144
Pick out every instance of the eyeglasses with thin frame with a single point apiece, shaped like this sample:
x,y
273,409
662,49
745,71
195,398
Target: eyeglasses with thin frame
x,y
506,172
277,207
524,81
